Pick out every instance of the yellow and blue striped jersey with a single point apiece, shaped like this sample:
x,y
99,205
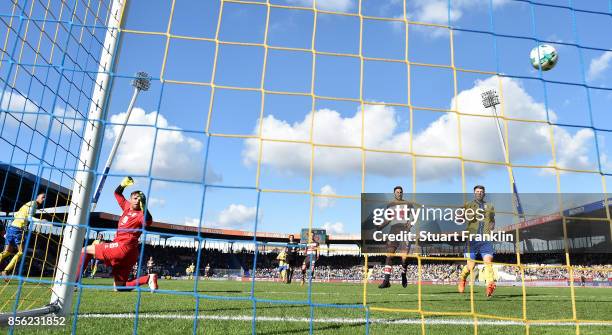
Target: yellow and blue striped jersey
x,y
21,216
485,226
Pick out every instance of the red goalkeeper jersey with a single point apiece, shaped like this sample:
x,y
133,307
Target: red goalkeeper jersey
x,y
131,220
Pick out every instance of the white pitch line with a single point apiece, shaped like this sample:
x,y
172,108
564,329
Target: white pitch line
x,y
430,321
405,294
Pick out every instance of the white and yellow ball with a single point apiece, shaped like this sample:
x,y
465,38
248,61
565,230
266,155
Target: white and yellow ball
x,y
544,56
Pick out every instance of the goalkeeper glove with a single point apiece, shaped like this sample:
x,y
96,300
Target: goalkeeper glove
x,y
142,200
127,181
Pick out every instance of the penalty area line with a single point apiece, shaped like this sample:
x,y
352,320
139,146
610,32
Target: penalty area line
x,y
429,321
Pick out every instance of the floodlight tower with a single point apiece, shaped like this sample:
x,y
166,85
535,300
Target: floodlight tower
x,y
491,99
141,82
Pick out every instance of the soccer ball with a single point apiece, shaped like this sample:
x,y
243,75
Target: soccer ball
x,y
544,56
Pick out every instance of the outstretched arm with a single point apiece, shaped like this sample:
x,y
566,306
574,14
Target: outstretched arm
x,y
127,181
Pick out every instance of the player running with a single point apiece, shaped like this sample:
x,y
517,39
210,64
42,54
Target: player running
x,y
15,232
282,265
312,254
398,225
122,254
484,248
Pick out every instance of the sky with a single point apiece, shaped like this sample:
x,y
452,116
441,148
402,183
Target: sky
x,y
315,124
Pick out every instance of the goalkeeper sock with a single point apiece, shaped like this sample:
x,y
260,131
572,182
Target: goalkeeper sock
x,y
489,273
465,272
13,262
137,282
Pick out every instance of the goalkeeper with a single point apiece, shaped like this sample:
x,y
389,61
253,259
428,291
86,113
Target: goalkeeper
x,y
123,253
15,233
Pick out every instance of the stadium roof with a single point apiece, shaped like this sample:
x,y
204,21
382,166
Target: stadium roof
x,y
581,221
102,220
18,186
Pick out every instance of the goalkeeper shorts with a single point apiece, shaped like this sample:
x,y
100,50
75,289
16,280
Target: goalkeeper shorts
x,y
120,256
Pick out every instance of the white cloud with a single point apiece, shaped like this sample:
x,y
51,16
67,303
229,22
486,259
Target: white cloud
x,y
326,202
334,228
599,65
15,102
436,11
574,150
606,162
156,202
527,140
236,216
176,155
193,222
28,112
330,5
330,127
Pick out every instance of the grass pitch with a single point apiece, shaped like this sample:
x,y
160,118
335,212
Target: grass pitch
x,y
225,307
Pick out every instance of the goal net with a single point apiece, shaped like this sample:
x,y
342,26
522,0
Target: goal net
x,y
264,117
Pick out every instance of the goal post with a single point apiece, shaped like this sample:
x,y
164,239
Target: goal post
x,y
75,228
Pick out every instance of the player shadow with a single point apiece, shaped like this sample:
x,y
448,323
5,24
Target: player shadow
x,y
501,295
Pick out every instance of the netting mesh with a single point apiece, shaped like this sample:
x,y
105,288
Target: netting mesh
x,y
240,107
49,59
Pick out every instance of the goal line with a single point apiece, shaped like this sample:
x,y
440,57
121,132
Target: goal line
x,y
410,321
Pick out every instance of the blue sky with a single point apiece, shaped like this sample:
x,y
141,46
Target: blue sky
x,y
178,105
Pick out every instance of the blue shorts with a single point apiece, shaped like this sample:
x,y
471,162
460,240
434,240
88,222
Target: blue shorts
x,y
13,236
283,268
474,248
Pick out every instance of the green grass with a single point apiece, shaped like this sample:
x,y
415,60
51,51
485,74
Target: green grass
x,y
168,313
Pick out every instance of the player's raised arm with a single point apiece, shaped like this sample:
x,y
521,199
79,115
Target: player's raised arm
x,y
127,181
